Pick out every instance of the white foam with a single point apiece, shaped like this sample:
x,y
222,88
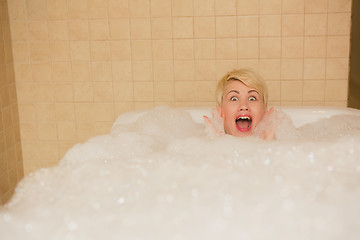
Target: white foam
x,y
177,183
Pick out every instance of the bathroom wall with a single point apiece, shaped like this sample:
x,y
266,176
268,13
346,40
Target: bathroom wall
x,y
80,63
11,166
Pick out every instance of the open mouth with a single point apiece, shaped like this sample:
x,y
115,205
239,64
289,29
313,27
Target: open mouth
x,y
243,123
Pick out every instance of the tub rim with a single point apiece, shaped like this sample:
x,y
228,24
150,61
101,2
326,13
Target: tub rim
x,y
300,115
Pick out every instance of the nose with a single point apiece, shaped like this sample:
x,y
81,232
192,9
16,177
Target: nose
x,y
243,106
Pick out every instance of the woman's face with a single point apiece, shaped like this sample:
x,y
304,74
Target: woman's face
x,y
242,109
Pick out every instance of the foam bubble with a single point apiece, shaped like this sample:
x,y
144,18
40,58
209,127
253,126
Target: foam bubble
x,y
178,183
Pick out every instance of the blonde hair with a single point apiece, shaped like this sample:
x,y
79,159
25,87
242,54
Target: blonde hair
x,y
247,77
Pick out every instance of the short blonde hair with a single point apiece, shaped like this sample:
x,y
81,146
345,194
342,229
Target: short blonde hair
x,y
247,77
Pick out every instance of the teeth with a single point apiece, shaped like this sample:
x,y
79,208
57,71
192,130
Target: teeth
x,y
243,118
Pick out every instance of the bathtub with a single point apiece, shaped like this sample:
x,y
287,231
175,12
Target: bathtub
x,y
157,175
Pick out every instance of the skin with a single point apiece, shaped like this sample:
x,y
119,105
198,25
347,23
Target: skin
x,y
240,100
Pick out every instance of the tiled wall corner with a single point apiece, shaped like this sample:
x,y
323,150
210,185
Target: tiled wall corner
x,y
11,163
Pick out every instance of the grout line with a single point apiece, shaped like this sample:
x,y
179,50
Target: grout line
x,y
131,58
303,56
326,52
111,65
152,56
173,55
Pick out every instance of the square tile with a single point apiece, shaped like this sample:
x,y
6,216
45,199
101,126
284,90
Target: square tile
x,y
105,112
185,91
316,6
293,25
64,92
80,50
339,24
248,26
270,47
144,91
78,30
291,91
226,27
314,90
163,71
66,130
270,25
336,90
183,27
80,71
205,91
98,9
119,29
314,68
120,50
160,8
204,48
164,91
78,9
141,49
162,49
65,112
122,71
270,7
205,70
123,91
61,72
118,8
103,92
183,49
100,50
161,28
292,47
225,8
60,50
204,7
99,30
142,71
337,68
339,6
83,92
58,30
40,51
315,24
293,6
56,9
204,27
182,8
315,47
226,48
338,46
270,69
291,69
248,48
246,7
184,70
140,28
139,9
101,71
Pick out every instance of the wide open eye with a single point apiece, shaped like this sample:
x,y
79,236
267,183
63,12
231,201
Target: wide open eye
x,y
252,98
233,99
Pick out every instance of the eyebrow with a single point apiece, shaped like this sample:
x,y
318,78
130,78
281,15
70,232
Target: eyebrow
x,y
253,91
237,92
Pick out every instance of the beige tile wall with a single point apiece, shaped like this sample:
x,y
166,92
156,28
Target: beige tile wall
x,y
11,165
81,63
